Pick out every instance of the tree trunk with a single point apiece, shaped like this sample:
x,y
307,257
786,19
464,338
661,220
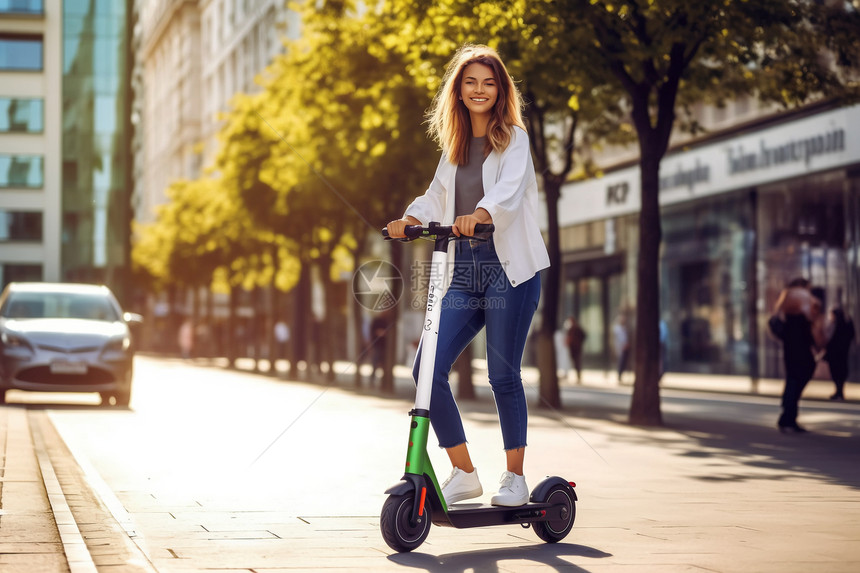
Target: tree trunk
x,y
232,343
273,315
550,396
330,329
645,403
210,321
387,384
301,321
360,346
258,331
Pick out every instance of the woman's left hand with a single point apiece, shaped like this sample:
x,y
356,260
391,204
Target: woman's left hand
x,y
465,224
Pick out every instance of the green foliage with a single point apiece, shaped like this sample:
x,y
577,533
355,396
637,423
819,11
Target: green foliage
x,y
776,50
344,146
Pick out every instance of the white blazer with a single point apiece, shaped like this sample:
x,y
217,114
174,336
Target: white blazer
x,y
511,199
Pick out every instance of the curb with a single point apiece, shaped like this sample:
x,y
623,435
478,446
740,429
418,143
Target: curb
x,y
78,555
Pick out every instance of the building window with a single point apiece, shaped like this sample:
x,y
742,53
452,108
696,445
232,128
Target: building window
x,y
20,52
21,7
21,115
21,171
20,226
20,273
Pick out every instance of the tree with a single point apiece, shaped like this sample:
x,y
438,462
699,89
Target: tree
x,y
329,151
666,53
202,238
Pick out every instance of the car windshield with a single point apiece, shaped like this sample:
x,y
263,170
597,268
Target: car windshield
x,y
58,305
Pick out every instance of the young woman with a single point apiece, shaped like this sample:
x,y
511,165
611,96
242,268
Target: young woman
x,y
485,175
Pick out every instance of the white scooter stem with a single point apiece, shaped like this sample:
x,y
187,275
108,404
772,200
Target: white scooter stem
x,y
430,334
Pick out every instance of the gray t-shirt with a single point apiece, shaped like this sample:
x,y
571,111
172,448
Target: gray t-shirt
x,y
468,183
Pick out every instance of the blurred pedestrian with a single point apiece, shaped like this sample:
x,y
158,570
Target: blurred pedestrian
x,y
185,338
574,340
795,312
838,349
621,344
282,337
378,343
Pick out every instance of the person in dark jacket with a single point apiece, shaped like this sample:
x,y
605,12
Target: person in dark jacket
x,y
838,349
574,340
796,316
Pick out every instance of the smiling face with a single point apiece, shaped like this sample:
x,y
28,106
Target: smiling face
x,y
479,89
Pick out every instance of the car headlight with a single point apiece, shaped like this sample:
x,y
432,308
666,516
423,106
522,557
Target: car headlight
x,y
118,344
12,340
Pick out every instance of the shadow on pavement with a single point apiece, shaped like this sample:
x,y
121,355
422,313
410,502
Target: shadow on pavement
x,y
827,453
740,430
746,435
488,560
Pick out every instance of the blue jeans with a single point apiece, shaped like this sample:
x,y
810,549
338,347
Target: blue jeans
x,y
481,295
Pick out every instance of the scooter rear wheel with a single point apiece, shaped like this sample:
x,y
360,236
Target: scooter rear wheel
x,y
555,530
396,524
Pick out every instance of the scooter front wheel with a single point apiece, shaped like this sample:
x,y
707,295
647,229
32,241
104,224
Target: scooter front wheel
x,y
398,530
555,530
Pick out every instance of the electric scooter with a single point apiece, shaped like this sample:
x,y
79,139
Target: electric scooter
x,y
416,500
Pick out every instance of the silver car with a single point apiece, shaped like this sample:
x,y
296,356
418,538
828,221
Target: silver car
x,y
63,337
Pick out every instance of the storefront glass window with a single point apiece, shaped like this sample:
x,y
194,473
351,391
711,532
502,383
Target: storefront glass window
x,y
852,252
802,229
706,268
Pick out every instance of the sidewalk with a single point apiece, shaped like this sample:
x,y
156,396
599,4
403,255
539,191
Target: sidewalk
x,y
710,492
717,489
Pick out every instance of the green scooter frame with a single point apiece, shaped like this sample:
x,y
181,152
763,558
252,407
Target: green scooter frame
x,y
416,500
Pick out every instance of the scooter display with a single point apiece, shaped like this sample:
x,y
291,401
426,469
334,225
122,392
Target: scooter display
x,y
416,500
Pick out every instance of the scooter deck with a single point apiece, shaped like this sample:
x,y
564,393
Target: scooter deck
x,y
463,515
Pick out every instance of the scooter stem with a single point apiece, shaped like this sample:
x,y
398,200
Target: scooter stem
x,y
430,334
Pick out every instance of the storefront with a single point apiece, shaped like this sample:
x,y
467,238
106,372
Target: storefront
x,y
741,216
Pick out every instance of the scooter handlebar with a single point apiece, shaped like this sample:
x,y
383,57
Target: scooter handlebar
x,y
434,229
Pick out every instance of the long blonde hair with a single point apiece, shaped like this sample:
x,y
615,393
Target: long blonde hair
x,y
448,117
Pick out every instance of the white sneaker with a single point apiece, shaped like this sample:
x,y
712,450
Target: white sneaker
x,y
513,490
461,485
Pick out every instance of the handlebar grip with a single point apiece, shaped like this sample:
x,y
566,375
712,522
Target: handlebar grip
x,y
415,231
411,231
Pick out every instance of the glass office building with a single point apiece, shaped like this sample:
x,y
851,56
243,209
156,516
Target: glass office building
x,y
65,138
96,141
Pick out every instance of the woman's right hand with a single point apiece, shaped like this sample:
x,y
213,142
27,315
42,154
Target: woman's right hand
x,y
397,228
